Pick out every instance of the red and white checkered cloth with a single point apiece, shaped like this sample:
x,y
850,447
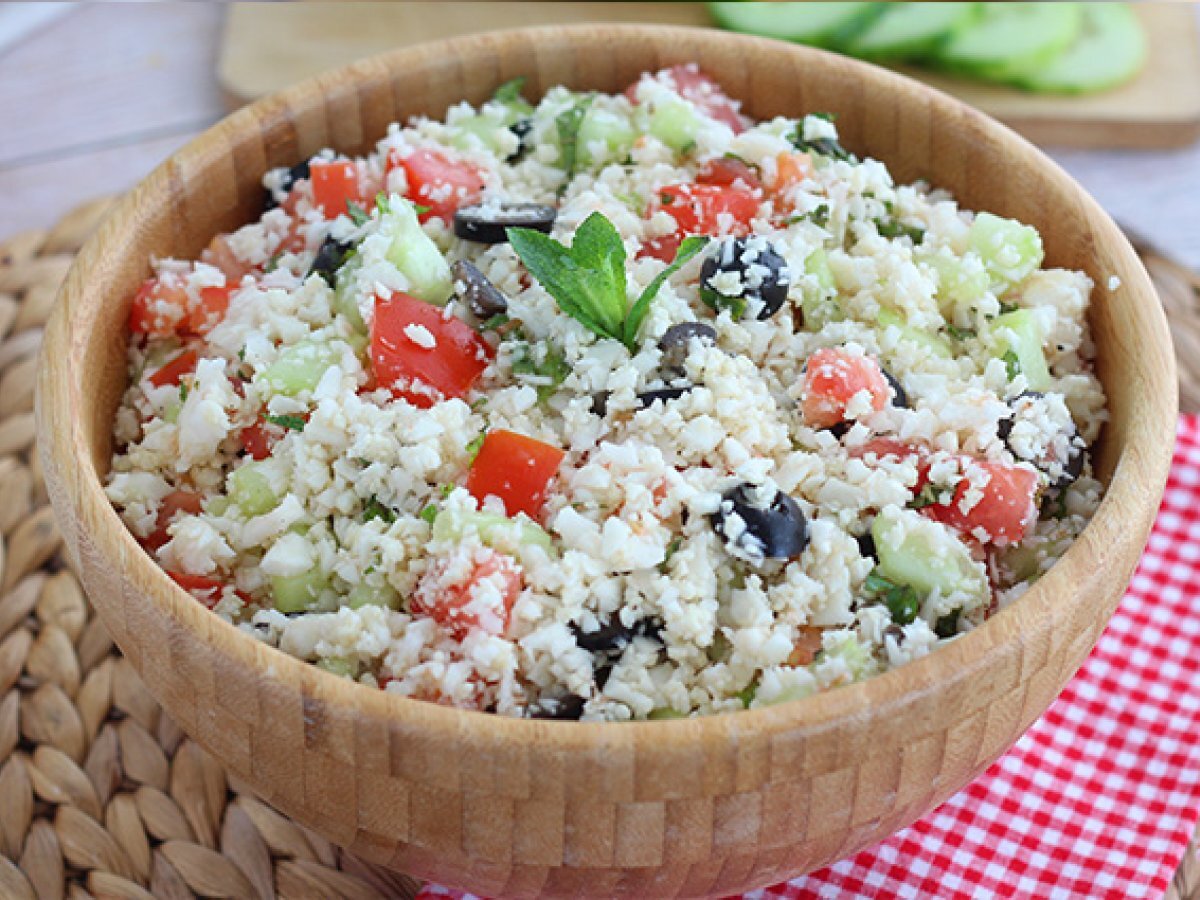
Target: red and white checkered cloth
x,y
1101,796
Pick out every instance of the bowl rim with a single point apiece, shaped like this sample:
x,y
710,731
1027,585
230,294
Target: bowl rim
x,y
1135,483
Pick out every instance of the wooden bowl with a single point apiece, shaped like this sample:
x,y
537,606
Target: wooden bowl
x,y
529,808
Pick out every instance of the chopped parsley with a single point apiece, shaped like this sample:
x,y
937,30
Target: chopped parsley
x,y
821,146
376,510
960,334
357,214
927,497
510,91
900,599
551,370
183,391
746,695
429,513
291,423
893,228
273,262
1006,307
818,216
672,549
1012,363
474,446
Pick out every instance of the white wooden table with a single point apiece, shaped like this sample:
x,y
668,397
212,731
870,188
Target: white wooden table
x,y
91,100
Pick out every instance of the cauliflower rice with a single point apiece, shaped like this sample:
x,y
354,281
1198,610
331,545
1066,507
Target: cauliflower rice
x,y
874,438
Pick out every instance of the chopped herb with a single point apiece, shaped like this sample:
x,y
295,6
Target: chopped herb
x,y
382,203
729,154
474,446
633,201
672,549
900,599
478,404
376,510
1006,307
1059,509
927,497
357,214
568,124
827,116
551,371
446,490
293,423
420,210
1012,362
687,148
666,199
960,334
818,216
429,513
183,391
821,146
242,355
587,279
495,322
510,91
273,262
891,228
746,695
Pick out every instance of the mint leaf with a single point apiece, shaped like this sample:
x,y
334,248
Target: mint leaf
x,y
597,247
429,513
641,307
292,423
357,214
510,91
567,123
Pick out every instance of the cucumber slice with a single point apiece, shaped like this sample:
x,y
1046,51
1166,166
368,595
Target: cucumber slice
x,y
299,368
962,281
911,30
916,551
494,530
604,137
250,490
823,24
296,593
415,254
1009,250
1019,333
676,123
1011,40
820,306
934,343
1110,50
364,594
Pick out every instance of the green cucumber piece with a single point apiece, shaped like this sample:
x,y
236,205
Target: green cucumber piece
x,y
916,551
299,368
1023,338
415,254
296,593
1011,40
911,30
960,284
364,594
493,529
934,343
822,24
613,135
479,129
1010,251
820,306
339,665
675,122
1110,50
250,490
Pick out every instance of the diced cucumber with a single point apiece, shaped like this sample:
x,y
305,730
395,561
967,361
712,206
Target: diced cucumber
x,y
665,712
345,295
339,665
926,556
484,129
1018,332
934,343
365,594
415,254
823,24
911,30
170,413
675,122
1009,250
218,505
819,305
1011,40
604,137
493,529
296,593
1110,50
250,490
961,281
856,657
299,368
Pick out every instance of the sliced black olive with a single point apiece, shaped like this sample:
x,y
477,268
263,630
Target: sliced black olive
x,y
601,674
763,273
899,395
649,398
677,340
522,129
567,708
600,403
779,531
331,257
298,172
1072,470
947,625
866,546
897,633
483,297
1005,426
487,223
614,636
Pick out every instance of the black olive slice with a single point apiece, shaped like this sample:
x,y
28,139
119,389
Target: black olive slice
x,y
484,298
763,275
777,531
568,708
487,223
649,398
331,257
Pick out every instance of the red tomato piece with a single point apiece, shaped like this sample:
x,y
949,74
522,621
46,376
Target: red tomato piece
x,y
438,181
334,184
418,373
709,208
174,502
702,90
729,171
515,468
205,589
833,378
159,308
170,373
886,448
208,313
663,248
1005,510
481,599
220,254
256,440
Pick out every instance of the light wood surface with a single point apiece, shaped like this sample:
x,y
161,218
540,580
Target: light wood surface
x,y
524,808
266,48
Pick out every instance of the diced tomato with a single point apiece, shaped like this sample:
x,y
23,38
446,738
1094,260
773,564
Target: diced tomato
x,y
709,208
256,440
702,90
886,448
206,590
833,378
480,600
808,644
159,307
790,170
418,373
334,184
181,365
515,468
208,313
1004,511
729,171
174,502
438,182
220,254
663,248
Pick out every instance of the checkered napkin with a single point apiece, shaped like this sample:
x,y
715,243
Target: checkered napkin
x,y
1100,797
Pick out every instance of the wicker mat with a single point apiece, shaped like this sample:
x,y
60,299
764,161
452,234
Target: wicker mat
x,y
101,794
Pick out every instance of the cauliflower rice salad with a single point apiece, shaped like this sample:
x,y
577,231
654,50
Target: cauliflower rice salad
x,y
612,407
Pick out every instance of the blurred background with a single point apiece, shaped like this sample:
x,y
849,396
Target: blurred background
x,y
96,94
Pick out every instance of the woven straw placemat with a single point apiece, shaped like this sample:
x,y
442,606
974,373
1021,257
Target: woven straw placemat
x,y
101,794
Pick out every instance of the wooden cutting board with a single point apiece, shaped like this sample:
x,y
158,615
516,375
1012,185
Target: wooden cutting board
x,y
267,46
